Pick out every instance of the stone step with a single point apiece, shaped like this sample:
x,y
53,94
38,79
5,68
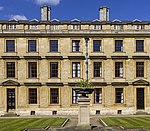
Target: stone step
x,y
10,115
141,113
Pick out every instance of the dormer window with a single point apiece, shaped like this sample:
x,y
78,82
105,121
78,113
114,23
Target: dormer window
x,y
138,27
97,27
54,27
32,27
118,27
75,27
11,26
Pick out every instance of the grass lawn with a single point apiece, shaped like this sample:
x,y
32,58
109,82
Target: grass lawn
x,y
17,124
129,122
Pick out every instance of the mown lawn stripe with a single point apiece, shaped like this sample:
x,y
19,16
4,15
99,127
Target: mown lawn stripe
x,y
129,122
110,121
16,125
8,122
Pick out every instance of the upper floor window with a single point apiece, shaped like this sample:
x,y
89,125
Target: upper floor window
x,y
54,27
138,27
98,95
32,27
31,45
32,95
118,27
10,69
75,69
54,95
97,47
97,69
139,45
75,27
118,69
11,26
76,46
119,95
10,45
53,69
53,45
32,69
118,45
97,27
139,69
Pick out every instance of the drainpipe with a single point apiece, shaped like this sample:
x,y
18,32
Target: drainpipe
x,y
86,62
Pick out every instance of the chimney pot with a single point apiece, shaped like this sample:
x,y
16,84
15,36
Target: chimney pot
x,y
104,13
45,13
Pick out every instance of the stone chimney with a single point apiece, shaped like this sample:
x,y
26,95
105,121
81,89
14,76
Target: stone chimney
x,y
45,13
104,13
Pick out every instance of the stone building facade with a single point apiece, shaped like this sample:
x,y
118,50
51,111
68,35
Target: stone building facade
x,y
43,61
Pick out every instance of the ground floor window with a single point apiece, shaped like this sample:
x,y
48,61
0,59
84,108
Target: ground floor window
x,y
32,95
119,95
54,96
98,95
75,97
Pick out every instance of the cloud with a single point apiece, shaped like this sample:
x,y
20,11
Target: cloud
x,y
18,17
1,8
50,2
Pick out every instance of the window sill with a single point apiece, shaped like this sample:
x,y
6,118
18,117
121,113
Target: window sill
x,y
97,52
11,78
54,52
97,78
75,77
119,104
119,52
32,52
54,77
140,52
75,104
32,78
33,104
10,52
119,78
97,104
54,104
76,52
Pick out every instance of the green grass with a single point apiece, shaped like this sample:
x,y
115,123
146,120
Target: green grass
x,y
128,122
18,124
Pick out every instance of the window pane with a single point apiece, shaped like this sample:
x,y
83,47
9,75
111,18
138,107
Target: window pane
x,y
31,45
97,45
53,45
98,95
32,96
139,69
32,69
75,69
119,95
118,45
75,97
118,69
139,45
10,69
97,69
75,46
53,69
10,45
54,96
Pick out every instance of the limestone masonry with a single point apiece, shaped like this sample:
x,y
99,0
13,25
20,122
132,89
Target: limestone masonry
x,y
42,62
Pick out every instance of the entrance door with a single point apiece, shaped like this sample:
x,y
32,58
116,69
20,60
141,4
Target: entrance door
x,y
140,98
10,99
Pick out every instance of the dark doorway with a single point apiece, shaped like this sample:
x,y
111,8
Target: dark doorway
x,y
140,98
10,99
